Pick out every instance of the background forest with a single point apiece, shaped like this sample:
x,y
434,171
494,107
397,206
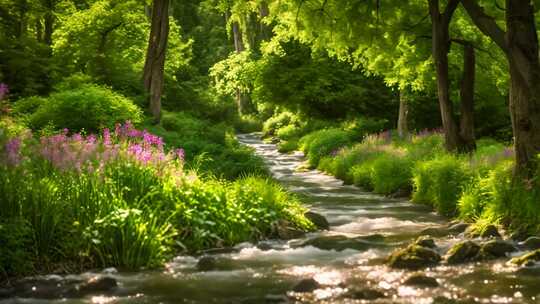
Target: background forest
x,y
124,114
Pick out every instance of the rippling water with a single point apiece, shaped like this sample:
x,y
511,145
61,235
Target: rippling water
x,y
265,274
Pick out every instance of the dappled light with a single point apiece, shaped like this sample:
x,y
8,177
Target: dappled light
x,y
269,151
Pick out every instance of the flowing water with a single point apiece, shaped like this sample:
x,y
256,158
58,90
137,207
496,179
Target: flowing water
x,y
266,272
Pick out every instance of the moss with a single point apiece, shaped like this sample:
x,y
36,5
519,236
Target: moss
x,y
414,257
527,259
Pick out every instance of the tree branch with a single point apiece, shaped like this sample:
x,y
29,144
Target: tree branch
x,y
486,24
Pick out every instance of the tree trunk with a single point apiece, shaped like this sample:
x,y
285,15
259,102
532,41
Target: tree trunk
x,y
402,125
440,50
466,130
154,67
522,41
520,44
243,101
39,30
265,30
49,28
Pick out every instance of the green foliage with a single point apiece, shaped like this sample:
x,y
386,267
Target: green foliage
x,y
15,237
276,122
391,173
440,182
108,40
89,107
498,198
322,143
209,147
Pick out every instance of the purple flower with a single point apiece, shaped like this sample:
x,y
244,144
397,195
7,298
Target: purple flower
x,y
4,90
180,154
13,147
106,136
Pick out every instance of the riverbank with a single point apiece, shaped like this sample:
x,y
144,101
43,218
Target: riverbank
x,y
71,202
477,188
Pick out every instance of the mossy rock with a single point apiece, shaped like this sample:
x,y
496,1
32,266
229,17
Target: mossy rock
x,y
414,257
306,285
421,280
341,242
527,259
532,243
463,252
318,220
365,294
458,227
495,249
489,231
425,241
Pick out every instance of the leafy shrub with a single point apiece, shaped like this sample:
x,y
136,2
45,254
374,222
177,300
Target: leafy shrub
x,y
277,121
391,173
439,182
15,237
208,147
288,146
361,127
90,107
363,175
322,143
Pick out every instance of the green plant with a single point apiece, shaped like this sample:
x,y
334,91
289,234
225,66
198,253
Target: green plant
x,y
391,173
89,107
439,182
322,143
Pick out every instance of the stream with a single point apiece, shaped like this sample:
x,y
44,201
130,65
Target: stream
x,y
266,272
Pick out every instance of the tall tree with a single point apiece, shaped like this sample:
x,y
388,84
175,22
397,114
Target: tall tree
x,y
154,67
520,44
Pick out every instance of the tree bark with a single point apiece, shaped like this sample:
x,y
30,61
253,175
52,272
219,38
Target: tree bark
x,y
520,44
522,41
402,125
154,67
466,129
440,49
265,30
243,101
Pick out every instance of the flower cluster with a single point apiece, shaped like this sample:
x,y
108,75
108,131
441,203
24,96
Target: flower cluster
x,y
4,91
88,153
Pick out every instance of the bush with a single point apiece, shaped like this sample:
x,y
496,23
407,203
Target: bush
x,y
208,146
440,182
323,143
275,122
89,107
288,146
361,127
391,173
363,175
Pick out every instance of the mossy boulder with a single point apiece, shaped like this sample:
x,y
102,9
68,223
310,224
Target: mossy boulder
x,y
367,294
414,257
489,231
495,249
306,285
341,242
318,220
425,241
287,231
463,252
458,227
532,243
421,280
528,259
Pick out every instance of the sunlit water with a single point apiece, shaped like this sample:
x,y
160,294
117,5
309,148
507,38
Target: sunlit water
x,y
253,275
